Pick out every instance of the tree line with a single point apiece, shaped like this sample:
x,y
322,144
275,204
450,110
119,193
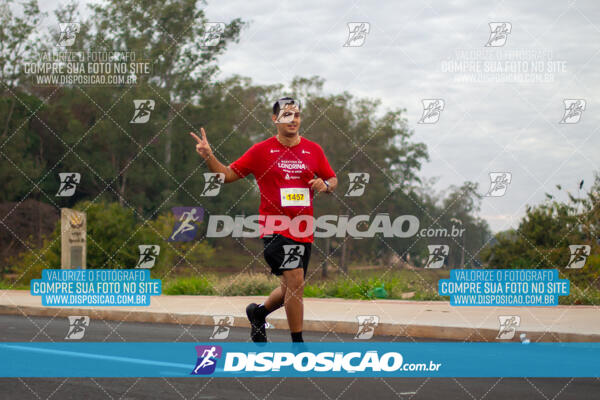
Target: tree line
x,y
149,168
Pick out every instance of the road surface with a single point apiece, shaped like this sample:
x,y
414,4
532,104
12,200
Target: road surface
x,y
38,329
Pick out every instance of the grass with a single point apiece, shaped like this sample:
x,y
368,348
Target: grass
x,y
356,284
353,286
421,285
583,296
245,284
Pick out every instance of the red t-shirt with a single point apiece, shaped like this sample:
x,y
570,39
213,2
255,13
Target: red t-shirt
x,y
282,174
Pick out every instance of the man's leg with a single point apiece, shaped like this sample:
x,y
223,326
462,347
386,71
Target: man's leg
x,y
294,306
257,313
273,302
276,298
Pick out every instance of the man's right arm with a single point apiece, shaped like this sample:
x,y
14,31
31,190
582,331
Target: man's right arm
x,y
214,165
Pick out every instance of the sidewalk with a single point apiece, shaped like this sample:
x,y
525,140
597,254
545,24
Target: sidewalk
x,y
419,319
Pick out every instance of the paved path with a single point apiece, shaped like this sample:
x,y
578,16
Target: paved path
x,y
424,319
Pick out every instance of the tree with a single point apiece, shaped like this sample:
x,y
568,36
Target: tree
x,y
16,40
170,34
546,231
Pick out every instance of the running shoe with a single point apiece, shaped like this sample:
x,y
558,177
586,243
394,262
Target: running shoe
x,y
258,332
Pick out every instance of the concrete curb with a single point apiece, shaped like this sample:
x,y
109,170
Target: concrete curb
x,y
459,333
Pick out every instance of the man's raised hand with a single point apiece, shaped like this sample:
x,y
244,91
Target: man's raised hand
x,y
202,146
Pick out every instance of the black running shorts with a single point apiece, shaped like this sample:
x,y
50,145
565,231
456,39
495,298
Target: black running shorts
x,y
283,253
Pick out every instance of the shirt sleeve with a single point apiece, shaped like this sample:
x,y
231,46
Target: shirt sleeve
x,y
245,164
325,171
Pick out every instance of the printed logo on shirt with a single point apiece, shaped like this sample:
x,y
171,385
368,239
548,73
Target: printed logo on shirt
x,y
288,177
291,164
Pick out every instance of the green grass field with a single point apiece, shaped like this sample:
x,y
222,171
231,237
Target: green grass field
x,y
358,283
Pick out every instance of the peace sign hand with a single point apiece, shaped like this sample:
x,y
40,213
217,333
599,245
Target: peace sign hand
x,y
202,146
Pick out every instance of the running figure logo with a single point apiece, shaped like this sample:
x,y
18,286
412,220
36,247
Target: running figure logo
x,y
141,111
292,256
148,255
579,255
222,325
357,33
77,325
366,326
212,33
508,326
207,359
358,183
212,183
185,228
432,109
437,255
499,182
68,33
68,183
499,32
573,110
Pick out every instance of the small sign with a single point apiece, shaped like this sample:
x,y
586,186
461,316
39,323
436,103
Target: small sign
x,y
73,227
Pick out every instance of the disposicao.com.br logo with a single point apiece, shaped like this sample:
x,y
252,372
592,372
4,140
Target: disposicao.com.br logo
x,y
325,226
288,363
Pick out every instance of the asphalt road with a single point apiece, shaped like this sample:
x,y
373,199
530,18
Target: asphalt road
x,y
37,329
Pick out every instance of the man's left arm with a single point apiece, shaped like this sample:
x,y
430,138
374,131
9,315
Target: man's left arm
x,y
326,181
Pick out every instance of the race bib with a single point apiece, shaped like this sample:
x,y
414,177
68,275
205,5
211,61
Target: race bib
x,y
295,197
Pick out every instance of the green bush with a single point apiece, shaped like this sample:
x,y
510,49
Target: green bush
x,y
113,236
245,284
314,291
248,284
582,292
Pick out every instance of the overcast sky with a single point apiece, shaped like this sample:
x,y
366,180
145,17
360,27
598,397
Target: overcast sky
x,y
485,126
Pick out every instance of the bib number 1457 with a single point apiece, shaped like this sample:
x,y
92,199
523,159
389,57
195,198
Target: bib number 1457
x,y
295,197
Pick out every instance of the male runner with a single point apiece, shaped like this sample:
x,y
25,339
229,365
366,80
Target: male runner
x,y
289,169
